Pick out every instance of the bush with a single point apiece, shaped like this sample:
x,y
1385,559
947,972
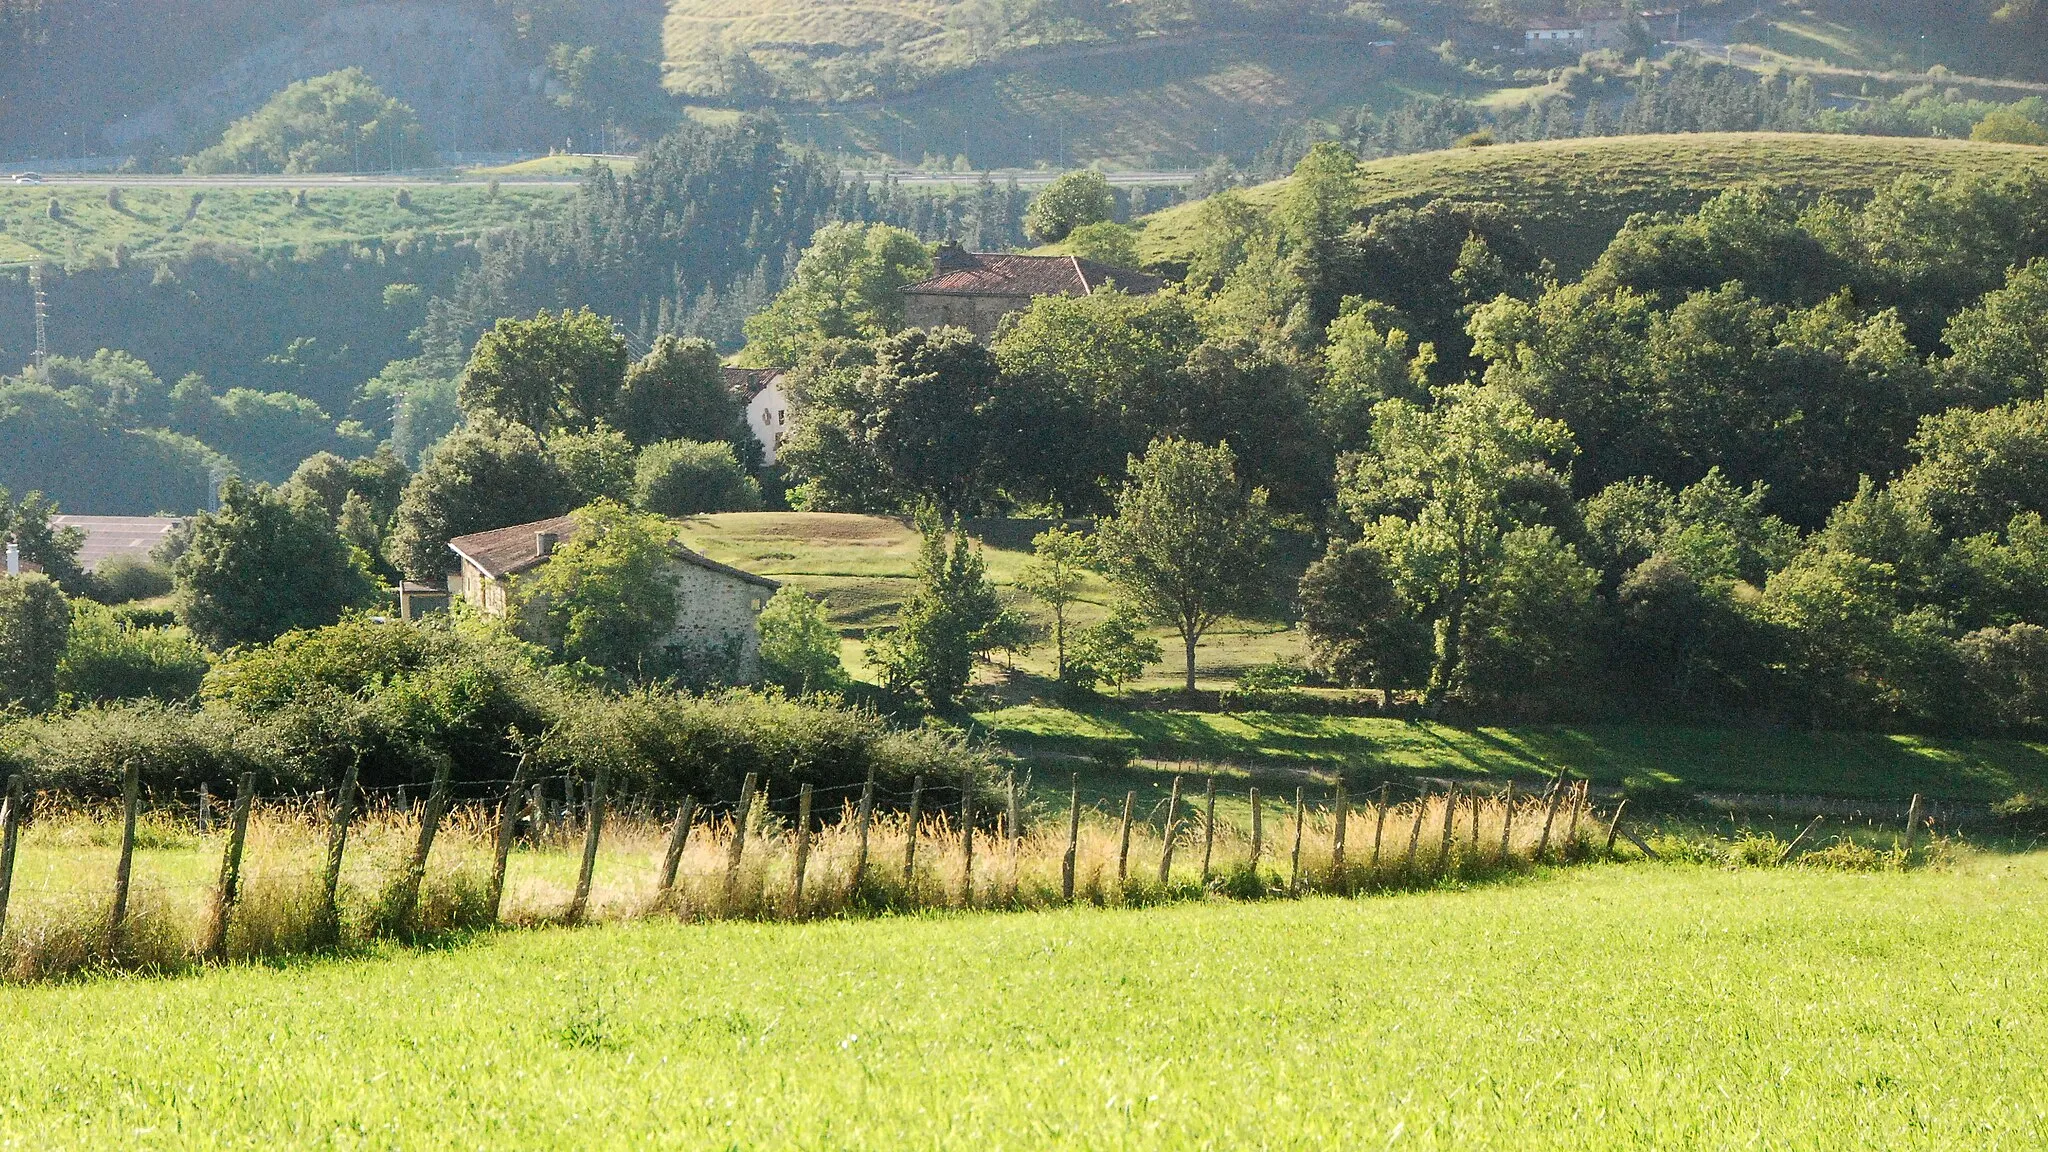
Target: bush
x,y
86,752
35,621
108,658
1110,652
799,647
687,477
124,579
1072,201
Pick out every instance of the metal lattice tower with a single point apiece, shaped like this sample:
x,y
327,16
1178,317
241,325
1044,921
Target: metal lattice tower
x,y
42,356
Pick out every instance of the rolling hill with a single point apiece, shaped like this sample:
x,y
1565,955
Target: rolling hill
x,y
1573,195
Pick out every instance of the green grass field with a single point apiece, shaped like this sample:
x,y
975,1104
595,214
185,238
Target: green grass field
x,y
149,222
1613,1007
1572,196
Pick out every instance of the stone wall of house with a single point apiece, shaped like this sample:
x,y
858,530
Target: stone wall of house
x,y
716,615
978,314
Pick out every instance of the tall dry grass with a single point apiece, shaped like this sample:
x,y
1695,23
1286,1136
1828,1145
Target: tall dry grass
x,y
59,926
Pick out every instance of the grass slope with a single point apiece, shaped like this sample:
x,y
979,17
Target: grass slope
x,y
1572,196
1281,747
1615,1007
1169,102
164,221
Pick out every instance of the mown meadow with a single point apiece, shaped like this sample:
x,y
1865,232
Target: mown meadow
x,y
1613,1007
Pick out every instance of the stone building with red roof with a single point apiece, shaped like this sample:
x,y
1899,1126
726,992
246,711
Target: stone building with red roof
x,y
975,290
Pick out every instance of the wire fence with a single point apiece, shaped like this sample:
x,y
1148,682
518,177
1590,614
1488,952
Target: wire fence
x,y
195,877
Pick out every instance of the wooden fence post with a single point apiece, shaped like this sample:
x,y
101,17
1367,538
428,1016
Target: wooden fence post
x,y
230,872
1550,815
1614,824
1912,821
1474,800
593,827
803,851
10,839
862,817
508,827
1068,861
1013,817
1258,829
1300,810
1208,827
739,834
1415,831
1172,828
338,818
416,868
1507,820
1123,853
1337,836
205,810
966,840
1379,826
1443,852
910,832
1800,839
1571,832
131,800
678,839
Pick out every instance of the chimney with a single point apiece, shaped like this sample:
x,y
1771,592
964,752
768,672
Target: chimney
x,y
544,543
951,257
13,558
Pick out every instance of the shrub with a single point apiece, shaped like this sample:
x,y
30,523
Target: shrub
x,y
35,621
1073,200
86,752
686,477
108,658
124,579
1110,652
799,647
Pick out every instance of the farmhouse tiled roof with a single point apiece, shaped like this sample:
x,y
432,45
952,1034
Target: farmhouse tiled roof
x,y
503,552
1009,274
746,383
109,536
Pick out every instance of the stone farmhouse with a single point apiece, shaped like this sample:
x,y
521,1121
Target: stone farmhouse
x,y
716,605
767,405
975,290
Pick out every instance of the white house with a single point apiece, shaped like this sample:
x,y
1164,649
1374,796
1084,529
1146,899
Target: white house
x,y
1557,38
716,605
760,389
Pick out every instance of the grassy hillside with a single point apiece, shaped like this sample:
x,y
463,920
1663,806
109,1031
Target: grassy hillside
x,y
1169,102
863,566
1611,1007
157,221
1573,195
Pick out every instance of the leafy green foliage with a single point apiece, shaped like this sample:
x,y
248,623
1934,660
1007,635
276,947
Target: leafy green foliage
x,y
107,658
1187,545
334,123
676,392
1105,242
607,597
548,374
1112,651
1361,629
35,623
264,565
1060,558
686,477
475,481
598,464
1073,201
848,284
26,522
799,646
946,622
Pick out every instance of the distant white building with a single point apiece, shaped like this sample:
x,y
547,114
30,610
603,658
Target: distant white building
x,y
1558,38
760,389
